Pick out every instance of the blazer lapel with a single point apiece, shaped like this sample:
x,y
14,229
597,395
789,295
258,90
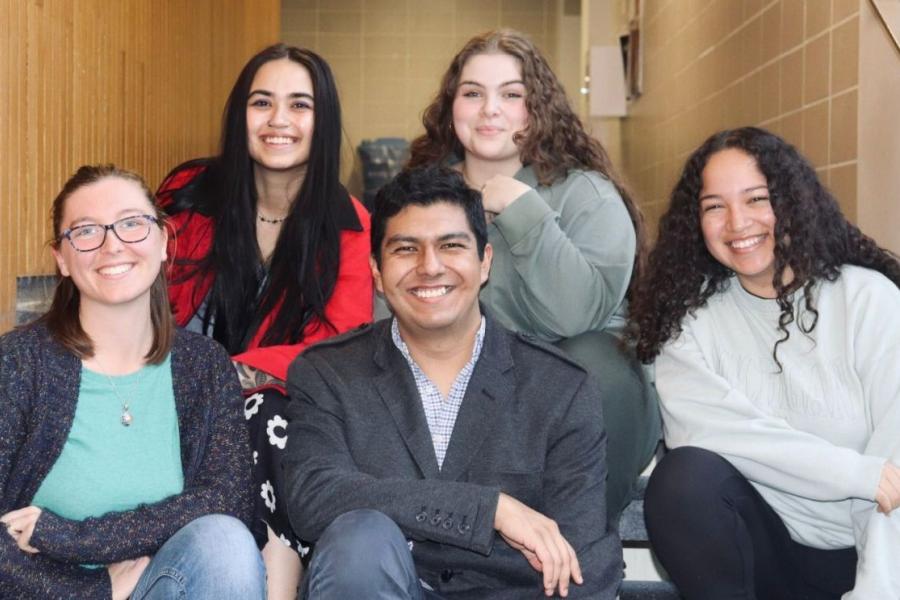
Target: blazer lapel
x,y
397,388
490,389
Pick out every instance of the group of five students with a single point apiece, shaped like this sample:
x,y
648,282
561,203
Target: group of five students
x,y
770,314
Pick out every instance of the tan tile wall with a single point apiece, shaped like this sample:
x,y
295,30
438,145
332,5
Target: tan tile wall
x,y
388,55
790,66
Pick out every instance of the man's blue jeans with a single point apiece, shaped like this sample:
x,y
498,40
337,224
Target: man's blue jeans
x,y
210,557
363,554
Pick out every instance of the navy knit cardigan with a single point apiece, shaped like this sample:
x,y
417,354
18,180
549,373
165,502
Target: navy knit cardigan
x,y
39,383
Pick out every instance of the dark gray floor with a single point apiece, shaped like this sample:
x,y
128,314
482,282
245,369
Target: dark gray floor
x,y
634,535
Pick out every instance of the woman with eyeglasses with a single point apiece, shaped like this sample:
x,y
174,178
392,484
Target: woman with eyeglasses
x,y
775,325
567,236
271,254
124,470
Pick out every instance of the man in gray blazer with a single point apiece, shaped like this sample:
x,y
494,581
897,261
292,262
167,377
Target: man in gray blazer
x,y
436,454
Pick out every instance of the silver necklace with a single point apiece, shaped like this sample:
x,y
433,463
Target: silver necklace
x,y
126,419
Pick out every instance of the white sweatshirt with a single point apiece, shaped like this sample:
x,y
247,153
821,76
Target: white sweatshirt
x,y
812,438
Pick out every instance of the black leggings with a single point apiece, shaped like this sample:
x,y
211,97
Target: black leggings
x,y
719,539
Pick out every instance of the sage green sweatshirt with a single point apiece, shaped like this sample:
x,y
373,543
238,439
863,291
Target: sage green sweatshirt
x,y
563,256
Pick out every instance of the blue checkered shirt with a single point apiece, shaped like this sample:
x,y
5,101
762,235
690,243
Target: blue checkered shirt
x,y
440,412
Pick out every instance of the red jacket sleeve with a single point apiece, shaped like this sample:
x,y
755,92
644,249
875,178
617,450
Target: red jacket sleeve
x,y
190,239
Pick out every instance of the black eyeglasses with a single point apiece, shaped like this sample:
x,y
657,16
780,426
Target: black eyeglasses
x,y
90,236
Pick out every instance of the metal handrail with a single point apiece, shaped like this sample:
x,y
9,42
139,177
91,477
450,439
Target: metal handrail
x,y
885,24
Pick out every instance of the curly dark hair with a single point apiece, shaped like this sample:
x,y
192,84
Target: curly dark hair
x,y
812,238
554,141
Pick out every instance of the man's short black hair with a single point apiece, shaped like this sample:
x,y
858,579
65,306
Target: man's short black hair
x,y
424,186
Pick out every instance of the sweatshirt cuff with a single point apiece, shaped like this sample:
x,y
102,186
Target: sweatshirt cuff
x,y
868,475
522,216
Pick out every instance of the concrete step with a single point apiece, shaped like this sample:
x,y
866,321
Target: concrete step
x,y
633,532
631,524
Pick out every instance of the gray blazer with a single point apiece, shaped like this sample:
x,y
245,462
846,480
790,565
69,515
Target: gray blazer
x,y
530,425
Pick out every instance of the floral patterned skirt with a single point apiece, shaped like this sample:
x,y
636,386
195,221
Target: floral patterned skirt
x,y
266,414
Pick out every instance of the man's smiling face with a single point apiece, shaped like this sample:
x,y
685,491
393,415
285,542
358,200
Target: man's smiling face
x,y
430,272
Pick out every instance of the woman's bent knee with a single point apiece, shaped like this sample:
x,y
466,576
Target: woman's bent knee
x,y
685,479
224,556
213,556
687,469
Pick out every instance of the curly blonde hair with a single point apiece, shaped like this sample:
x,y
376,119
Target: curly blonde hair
x,y
553,143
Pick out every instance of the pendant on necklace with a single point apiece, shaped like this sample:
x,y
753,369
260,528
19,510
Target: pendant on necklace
x,y
126,416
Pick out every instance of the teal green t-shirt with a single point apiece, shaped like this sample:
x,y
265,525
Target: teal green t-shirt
x,y
107,467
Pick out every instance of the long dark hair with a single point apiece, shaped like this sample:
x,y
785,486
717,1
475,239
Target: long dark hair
x,y
812,238
554,142
304,264
62,319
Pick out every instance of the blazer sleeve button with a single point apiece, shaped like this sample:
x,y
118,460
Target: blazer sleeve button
x,y
422,516
463,527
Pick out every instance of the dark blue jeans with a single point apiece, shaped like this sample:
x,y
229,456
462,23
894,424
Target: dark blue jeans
x,y
720,540
212,557
363,554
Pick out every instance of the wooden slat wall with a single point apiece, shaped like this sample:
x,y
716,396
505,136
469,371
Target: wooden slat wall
x,y
140,83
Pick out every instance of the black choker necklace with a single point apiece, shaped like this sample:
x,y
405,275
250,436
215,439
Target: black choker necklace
x,y
270,221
